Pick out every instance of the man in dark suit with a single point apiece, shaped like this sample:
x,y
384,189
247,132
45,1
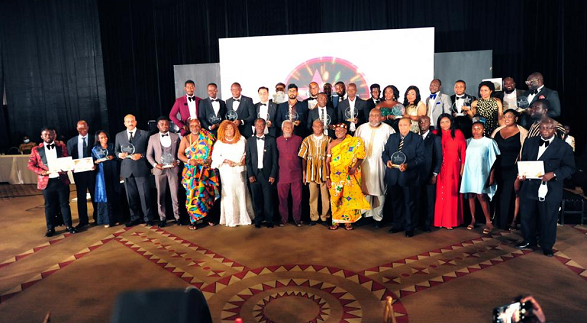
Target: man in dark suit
x,y
402,179
541,198
462,103
267,109
261,160
134,168
160,144
79,147
375,98
243,105
186,106
212,110
428,172
292,107
312,99
353,106
537,90
339,94
320,112
52,181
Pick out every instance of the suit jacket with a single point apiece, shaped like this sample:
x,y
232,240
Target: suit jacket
x,y
500,95
414,150
557,158
453,108
314,114
38,164
72,147
440,105
181,106
272,112
369,105
154,151
205,111
128,167
302,110
432,158
246,113
269,157
552,97
360,106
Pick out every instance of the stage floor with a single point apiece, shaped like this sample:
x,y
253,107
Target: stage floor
x,y
289,274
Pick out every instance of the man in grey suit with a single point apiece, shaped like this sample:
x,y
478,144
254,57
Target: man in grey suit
x,y
537,91
353,106
162,154
438,103
243,105
135,170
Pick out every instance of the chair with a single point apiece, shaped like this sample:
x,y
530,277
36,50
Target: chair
x,y
572,204
388,314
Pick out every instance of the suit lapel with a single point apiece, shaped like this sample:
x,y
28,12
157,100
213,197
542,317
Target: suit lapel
x,y
42,154
551,149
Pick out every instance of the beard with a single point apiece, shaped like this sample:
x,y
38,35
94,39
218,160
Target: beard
x,y
508,91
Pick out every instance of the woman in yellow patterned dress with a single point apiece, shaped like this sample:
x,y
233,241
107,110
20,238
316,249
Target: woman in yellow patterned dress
x,y
414,107
343,160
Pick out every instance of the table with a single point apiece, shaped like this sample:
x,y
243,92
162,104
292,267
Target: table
x,y
14,170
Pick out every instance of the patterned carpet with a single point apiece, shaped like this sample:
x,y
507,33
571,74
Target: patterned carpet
x,y
8,191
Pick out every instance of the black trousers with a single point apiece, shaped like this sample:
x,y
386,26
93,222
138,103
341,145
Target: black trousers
x,y
427,198
546,212
56,197
85,181
262,193
138,192
404,208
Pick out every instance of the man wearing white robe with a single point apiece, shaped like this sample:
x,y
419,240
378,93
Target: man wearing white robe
x,y
374,134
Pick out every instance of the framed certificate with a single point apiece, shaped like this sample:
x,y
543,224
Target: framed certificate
x,y
83,165
62,164
531,169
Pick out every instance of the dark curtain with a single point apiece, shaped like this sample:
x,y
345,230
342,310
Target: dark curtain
x,y
53,71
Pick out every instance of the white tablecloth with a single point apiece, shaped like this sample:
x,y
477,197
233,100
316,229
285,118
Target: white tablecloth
x,y
14,170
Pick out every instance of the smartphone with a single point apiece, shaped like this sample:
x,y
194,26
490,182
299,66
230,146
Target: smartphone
x,y
512,313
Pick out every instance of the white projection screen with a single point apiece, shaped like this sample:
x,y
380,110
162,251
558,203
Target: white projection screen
x,y
401,57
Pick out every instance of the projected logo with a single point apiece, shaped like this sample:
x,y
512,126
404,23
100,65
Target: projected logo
x,y
327,70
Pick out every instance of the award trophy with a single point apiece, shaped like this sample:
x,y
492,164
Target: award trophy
x,y
293,116
167,160
102,154
263,115
351,115
213,119
398,158
231,115
523,103
129,149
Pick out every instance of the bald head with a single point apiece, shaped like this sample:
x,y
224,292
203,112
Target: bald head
x,y
82,128
404,126
534,81
375,117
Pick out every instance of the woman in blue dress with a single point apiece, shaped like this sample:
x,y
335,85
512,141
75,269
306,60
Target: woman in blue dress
x,y
107,179
478,182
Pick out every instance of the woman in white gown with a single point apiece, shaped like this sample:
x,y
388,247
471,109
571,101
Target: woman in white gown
x,y
228,156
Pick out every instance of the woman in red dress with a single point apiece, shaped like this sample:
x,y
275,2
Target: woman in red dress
x,y
448,210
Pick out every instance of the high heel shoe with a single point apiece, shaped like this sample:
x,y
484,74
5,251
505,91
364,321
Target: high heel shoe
x,y
488,228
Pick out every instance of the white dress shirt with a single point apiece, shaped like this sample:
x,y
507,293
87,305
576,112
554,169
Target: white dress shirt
x,y
541,148
264,114
322,113
128,133
352,108
192,107
260,151
51,155
531,96
510,100
80,145
215,106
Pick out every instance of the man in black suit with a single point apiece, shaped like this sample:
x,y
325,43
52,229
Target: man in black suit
x,y
375,98
537,90
261,159
212,110
352,108
339,94
428,172
541,198
312,99
243,105
292,107
321,112
402,179
134,168
462,103
79,147
267,110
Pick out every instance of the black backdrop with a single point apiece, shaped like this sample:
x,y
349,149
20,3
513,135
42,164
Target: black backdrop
x,y
141,40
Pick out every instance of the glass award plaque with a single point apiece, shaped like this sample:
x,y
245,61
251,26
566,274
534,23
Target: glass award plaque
x,y
102,154
167,160
129,149
351,115
398,158
231,115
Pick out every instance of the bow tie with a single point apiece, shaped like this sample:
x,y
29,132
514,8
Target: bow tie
x,y
260,138
311,98
377,101
237,100
433,96
50,146
192,98
534,92
460,97
263,104
544,143
165,135
213,100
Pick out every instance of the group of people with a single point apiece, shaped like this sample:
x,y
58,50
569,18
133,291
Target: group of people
x,y
343,154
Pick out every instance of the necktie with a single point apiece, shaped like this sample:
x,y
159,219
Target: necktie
x,y
131,137
401,145
544,143
191,98
433,96
85,146
51,146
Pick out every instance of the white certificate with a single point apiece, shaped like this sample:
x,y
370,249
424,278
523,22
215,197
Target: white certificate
x,y
531,169
83,165
62,164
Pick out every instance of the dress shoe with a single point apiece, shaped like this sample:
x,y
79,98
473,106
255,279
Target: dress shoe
x,y
50,233
409,233
395,230
162,224
132,223
80,226
427,228
149,223
258,225
378,225
270,225
525,246
71,230
312,223
281,225
298,224
548,252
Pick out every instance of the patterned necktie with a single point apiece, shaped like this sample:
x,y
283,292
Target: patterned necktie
x,y
401,145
